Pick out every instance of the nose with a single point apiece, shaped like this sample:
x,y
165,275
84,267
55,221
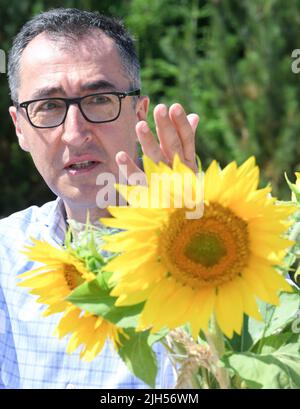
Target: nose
x,y
76,130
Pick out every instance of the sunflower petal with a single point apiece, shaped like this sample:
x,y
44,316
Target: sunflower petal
x,y
229,308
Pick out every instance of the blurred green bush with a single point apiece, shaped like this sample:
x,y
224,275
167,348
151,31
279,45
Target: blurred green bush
x,y
229,61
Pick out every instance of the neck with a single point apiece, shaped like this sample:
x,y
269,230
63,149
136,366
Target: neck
x,y
81,215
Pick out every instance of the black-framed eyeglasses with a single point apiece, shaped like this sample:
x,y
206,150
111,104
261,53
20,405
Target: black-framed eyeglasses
x,y
96,108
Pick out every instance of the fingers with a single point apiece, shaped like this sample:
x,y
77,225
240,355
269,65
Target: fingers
x,y
167,132
185,130
148,142
176,134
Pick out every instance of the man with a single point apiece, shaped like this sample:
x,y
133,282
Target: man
x,y
74,80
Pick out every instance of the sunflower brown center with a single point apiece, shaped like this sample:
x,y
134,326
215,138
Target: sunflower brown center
x,y
73,276
210,250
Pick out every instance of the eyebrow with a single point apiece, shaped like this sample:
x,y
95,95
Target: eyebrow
x,y
100,85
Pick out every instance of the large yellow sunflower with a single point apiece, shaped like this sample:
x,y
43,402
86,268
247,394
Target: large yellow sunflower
x,y
188,269
59,275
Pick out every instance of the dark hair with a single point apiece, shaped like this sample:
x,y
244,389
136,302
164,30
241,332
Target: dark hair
x,y
73,24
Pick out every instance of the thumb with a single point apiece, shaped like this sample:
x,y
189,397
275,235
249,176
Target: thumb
x,y
129,169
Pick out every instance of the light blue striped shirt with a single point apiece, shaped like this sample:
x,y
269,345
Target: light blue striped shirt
x,y
30,356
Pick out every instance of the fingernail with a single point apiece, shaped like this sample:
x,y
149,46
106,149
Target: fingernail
x,y
163,111
122,157
178,110
145,128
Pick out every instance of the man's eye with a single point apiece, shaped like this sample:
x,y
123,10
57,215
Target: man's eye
x,y
100,100
50,105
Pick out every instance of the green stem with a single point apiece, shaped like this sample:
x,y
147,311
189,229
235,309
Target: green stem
x,y
261,341
216,342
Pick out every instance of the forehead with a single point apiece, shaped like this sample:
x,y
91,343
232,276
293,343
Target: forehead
x,y
67,64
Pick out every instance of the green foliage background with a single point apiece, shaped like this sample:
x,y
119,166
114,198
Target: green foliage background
x,y
229,61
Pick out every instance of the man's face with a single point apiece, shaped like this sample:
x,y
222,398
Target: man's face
x,y
48,70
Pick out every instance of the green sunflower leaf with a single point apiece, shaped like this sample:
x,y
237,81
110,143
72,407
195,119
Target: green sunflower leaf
x,y
139,356
243,342
95,298
92,297
276,319
279,370
157,336
274,342
285,312
125,317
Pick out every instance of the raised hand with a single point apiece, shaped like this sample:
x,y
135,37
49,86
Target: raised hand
x,y
176,134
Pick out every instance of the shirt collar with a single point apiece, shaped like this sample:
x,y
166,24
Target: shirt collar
x,y
56,225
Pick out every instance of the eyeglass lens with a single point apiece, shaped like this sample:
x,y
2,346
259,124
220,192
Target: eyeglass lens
x,y
97,108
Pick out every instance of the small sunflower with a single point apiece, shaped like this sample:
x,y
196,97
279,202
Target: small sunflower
x,y
60,274
188,269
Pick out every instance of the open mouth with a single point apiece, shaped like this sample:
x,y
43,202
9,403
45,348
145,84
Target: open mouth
x,y
82,165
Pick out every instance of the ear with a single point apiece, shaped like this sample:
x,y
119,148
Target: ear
x,y
16,120
142,108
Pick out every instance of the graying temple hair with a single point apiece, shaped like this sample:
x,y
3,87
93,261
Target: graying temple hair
x,y
73,24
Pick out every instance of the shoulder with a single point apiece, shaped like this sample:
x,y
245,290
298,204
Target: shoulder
x,y
23,220
17,228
